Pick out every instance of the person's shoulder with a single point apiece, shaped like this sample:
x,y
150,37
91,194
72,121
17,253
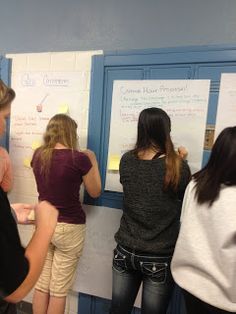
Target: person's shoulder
x,y
128,155
68,153
190,189
226,201
80,154
191,185
82,162
184,163
81,157
35,156
128,159
228,192
184,166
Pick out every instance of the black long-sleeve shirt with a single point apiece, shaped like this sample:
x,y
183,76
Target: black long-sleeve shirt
x,y
150,220
13,264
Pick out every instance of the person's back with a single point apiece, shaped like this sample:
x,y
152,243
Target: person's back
x,y
63,183
150,221
204,259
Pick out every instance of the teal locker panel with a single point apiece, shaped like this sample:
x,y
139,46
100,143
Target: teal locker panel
x,y
5,76
171,72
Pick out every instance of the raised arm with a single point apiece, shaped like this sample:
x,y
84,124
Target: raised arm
x,y
92,180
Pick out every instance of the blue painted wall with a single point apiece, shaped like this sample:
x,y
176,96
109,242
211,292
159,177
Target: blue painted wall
x,y
63,25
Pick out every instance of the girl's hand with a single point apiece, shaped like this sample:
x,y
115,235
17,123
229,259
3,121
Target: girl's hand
x,y
182,151
22,212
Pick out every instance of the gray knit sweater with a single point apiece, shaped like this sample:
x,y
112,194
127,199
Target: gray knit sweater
x,y
150,220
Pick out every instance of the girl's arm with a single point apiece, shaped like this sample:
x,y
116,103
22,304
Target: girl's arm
x,y
92,179
46,220
6,176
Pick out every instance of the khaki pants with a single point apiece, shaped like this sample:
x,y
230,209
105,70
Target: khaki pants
x,y
62,258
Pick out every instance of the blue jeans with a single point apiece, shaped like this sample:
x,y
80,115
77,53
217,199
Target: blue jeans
x,y
130,269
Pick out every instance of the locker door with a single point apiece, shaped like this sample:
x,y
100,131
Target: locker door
x,y
171,72
213,72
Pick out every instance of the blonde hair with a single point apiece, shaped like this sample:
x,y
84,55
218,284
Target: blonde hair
x,y
7,95
60,129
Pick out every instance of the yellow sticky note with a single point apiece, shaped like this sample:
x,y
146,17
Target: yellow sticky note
x,y
63,109
35,145
114,161
26,162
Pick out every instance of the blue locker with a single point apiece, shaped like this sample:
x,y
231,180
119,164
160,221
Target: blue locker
x,y
5,76
213,72
177,63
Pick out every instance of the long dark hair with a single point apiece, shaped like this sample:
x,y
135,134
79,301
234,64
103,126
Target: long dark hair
x,y
154,128
220,169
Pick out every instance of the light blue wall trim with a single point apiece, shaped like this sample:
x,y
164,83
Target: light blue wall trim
x,y
5,70
5,66
95,121
97,77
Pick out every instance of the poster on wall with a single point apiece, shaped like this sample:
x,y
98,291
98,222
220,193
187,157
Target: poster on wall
x,y
226,110
185,101
40,95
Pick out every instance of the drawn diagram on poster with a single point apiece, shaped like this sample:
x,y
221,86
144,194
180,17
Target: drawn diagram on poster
x,y
40,95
